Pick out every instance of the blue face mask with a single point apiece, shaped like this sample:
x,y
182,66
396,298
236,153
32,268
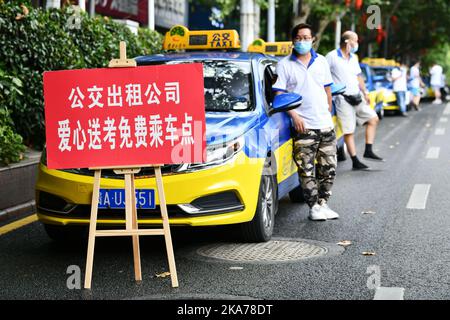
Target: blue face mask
x,y
302,47
354,49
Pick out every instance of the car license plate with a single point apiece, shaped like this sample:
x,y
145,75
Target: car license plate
x,y
115,199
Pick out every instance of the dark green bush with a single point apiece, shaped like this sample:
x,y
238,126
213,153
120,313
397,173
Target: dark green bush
x,y
37,40
11,144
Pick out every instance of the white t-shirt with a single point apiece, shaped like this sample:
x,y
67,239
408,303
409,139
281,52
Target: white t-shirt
x,y
345,71
401,83
436,75
415,75
310,82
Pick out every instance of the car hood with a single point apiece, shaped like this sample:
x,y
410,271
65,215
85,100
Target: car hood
x,y
225,126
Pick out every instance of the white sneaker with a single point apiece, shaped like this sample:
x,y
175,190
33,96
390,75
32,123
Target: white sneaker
x,y
317,214
330,214
437,101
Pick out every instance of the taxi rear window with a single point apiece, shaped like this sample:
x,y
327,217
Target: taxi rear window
x,y
228,84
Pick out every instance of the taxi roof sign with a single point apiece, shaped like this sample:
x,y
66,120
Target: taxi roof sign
x,y
181,38
279,48
380,62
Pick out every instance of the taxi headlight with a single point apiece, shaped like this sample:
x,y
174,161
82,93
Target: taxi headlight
x,y
217,154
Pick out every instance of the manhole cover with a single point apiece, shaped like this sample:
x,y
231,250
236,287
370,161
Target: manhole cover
x,y
272,251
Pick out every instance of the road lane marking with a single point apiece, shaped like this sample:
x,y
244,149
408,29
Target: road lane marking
x,y
443,119
439,131
386,293
419,196
17,224
447,109
433,153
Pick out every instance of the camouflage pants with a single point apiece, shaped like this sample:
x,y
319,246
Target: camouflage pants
x,y
316,178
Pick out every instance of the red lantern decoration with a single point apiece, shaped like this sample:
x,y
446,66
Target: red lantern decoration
x,y
394,20
381,34
364,18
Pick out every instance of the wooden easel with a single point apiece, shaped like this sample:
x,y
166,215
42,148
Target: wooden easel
x,y
131,221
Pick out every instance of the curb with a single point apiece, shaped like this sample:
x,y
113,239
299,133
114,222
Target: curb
x,y
17,212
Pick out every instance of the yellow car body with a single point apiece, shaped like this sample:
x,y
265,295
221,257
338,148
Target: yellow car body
x,y
179,189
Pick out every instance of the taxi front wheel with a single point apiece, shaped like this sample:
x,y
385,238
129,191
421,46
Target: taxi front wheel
x,y
260,229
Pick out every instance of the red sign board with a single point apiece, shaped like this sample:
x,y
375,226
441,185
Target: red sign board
x,y
125,116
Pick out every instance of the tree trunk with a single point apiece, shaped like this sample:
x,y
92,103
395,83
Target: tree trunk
x,y
388,24
324,22
303,14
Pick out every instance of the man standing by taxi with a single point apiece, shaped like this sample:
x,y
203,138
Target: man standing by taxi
x,y
399,84
353,106
436,72
416,83
307,73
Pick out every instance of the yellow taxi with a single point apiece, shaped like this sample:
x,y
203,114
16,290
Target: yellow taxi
x,y
249,152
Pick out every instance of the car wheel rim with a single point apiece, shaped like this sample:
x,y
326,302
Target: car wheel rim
x,y
267,203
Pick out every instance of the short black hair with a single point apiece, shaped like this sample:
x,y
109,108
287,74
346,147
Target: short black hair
x,y
299,27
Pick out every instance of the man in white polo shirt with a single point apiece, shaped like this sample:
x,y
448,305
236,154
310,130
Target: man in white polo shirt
x,y
345,69
400,86
436,82
307,73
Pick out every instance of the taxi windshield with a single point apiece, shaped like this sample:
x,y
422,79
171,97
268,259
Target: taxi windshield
x,y
227,85
381,72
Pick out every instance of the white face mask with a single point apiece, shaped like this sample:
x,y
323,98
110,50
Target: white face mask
x,y
354,49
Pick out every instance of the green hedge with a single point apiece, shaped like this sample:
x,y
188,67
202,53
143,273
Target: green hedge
x,y
11,144
37,40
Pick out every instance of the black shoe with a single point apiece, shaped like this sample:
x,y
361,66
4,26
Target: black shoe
x,y
357,165
372,156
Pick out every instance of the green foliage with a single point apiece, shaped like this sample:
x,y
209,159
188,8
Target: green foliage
x,y
440,55
150,41
37,40
11,146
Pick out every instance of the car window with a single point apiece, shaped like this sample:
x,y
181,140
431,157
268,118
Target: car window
x,y
228,85
270,78
384,72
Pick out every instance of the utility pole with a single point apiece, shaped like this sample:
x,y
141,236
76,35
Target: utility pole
x,y
257,17
82,4
247,23
91,8
338,32
151,14
271,21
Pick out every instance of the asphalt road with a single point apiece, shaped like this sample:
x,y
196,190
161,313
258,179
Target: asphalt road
x,y
411,246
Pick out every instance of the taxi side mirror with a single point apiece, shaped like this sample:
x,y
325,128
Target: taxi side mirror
x,y
285,102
